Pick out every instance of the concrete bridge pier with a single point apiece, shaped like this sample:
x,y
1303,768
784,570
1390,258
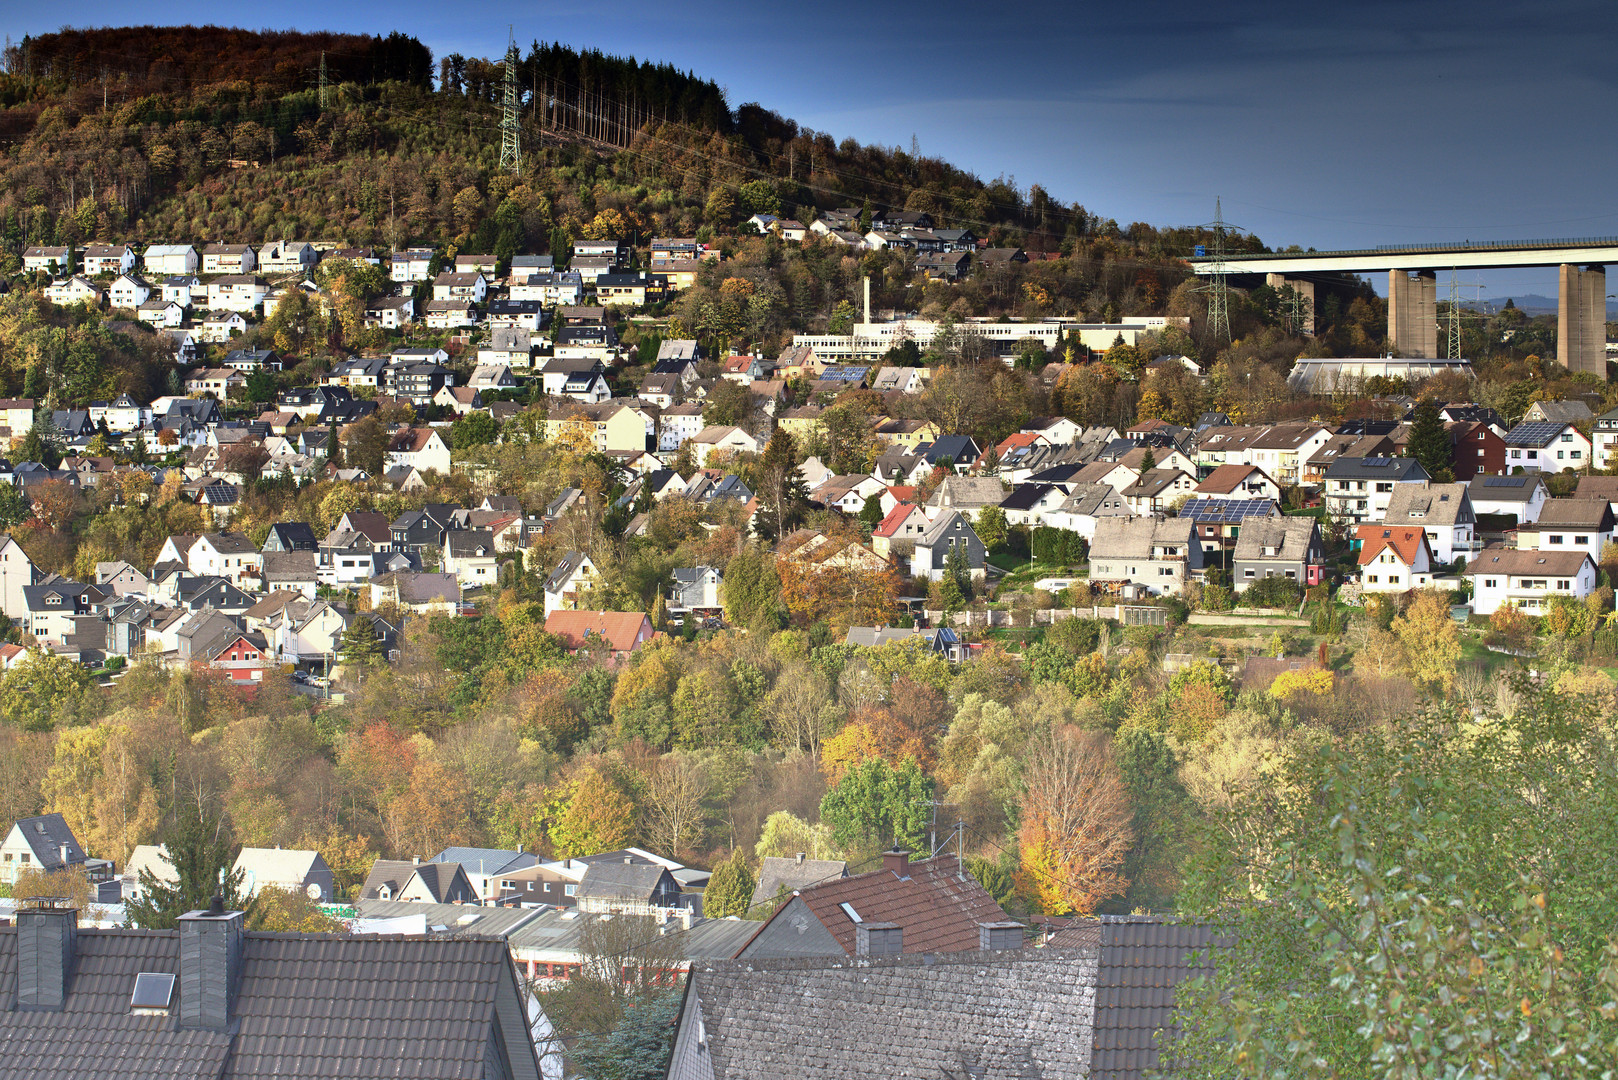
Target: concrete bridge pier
x,y
1301,287
1581,319
1413,314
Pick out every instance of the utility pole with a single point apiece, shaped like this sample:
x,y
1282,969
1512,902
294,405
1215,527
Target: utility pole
x,y
510,142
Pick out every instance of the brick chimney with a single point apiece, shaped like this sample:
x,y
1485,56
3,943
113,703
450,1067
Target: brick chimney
x,y
47,935
210,966
878,939
999,936
897,863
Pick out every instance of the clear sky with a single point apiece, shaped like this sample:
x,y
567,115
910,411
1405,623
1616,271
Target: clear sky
x,y
1324,125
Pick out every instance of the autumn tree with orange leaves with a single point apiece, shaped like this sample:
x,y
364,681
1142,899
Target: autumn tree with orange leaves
x,y
1075,822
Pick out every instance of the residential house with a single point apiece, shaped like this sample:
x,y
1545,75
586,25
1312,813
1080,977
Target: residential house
x,y
469,288
1359,489
45,843
220,328
75,290
52,260
1546,446
1238,481
1569,525
252,360
895,536
287,869
1084,507
927,906
49,609
609,636
526,315
391,312
111,259
1604,488
160,313
287,257
1157,490
1528,579
721,438
968,494
1288,547
1443,511
1604,440
567,586
459,400
129,291
1153,554
509,345
416,592
696,589
939,542
1393,558
184,289
450,314
228,259
471,555
635,289
419,448
1028,504
237,292
291,571
563,288
1519,497
781,878
627,887
231,556
410,265
170,259
1558,412
17,573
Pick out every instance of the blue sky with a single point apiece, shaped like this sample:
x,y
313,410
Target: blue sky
x,y
1380,122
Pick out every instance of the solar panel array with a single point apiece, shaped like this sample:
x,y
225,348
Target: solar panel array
x,y
1227,509
1533,433
1504,481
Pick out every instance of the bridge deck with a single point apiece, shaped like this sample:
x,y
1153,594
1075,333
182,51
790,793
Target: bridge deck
x,y
1468,256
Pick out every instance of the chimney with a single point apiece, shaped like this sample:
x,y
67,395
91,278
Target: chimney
x,y
867,282
998,936
800,856
897,863
415,860
878,939
685,918
210,965
47,933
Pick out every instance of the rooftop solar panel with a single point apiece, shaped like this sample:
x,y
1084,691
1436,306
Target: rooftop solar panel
x,y
1504,481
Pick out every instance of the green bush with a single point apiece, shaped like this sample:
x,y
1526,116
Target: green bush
x,y
1057,546
1272,592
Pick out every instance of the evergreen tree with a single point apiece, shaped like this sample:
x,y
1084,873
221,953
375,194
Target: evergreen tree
x,y
201,852
1430,443
730,890
1149,462
138,454
871,513
360,644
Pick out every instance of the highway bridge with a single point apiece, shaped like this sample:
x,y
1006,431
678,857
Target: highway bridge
x,y
1413,300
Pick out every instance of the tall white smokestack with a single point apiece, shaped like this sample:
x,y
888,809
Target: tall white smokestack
x,y
867,283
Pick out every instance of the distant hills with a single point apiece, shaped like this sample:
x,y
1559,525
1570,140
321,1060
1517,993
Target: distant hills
x,y
1534,304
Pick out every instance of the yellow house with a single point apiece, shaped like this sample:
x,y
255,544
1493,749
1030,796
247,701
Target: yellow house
x,y
907,433
800,423
615,426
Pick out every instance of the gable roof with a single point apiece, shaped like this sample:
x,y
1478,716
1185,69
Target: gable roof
x,y
794,875
1405,541
392,873
580,629
935,902
622,880
1227,478
47,835
1288,537
1576,513
1497,560
1143,959
1429,504
305,1005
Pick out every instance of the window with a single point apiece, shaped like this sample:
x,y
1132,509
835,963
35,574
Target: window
x,y
1373,579
1248,572
1292,574
1564,584
27,857
1533,455
570,889
1555,539
1491,583
547,886
1567,437
1480,451
1516,453
1581,539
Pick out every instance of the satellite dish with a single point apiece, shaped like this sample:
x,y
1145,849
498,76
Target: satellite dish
x,y
313,891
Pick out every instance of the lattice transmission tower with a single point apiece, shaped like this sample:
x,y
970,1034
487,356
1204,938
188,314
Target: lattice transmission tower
x,y
1216,288
510,137
322,80
1453,317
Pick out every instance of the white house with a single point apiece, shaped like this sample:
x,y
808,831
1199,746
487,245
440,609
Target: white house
x,y
566,586
1520,496
52,260
1443,511
164,314
451,286
285,869
410,264
74,290
418,448
677,424
1157,555
17,572
108,259
184,290
719,437
170,259
1394,559
228,259
237,292
287,257
1546,446
128,291
231,556
1569,525
1528,579
217,329
471,555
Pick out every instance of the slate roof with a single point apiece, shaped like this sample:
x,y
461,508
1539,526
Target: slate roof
x,y
774,874
486,860
1519,488
1376,468
1011,1014
306,1005
47,834
390,872
622,880
1143,959
1288,537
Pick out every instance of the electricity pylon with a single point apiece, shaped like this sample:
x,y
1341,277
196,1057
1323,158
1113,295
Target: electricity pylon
x,y
510,138
1452,324
1218,292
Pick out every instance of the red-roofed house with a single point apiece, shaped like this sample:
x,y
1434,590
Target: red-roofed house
x,y
1394,558
1013,442
897,532
931,906
607,635
1238,482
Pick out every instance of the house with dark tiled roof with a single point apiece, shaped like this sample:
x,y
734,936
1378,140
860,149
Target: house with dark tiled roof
x,y
212,1000
1443,511
418,882
782,876
930,906
1528,579
1288,547
1359,489
1585,525
945,536
627,887
45,843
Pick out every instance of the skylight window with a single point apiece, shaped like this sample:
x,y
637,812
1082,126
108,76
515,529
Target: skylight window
x,y
154,991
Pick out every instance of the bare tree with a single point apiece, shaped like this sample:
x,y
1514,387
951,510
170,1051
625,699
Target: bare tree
x,y
677,788
1076,819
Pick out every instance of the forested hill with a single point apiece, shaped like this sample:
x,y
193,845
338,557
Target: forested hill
x,y
133,118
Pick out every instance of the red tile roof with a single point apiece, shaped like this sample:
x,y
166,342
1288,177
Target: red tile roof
x,y
624,631
1406,543
896,517
934,902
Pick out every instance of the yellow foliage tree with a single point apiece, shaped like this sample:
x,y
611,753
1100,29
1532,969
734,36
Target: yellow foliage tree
x,y
1314,681
1432,644
854,745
